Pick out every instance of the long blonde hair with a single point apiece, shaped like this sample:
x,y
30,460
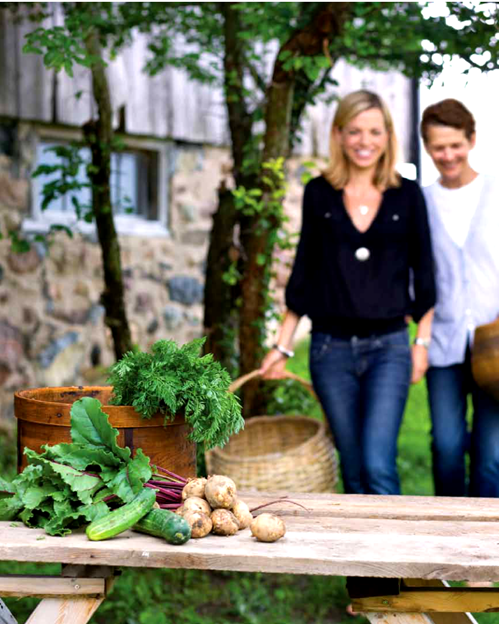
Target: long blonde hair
x,y
337,172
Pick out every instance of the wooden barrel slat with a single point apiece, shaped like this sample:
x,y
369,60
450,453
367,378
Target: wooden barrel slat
x,y
43,416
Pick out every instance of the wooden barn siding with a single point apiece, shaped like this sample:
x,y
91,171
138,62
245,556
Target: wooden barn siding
x,y
169,104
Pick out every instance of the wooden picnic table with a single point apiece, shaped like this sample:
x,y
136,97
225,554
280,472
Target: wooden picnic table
x,y
396,538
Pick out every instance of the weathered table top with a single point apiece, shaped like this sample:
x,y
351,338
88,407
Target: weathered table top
x,y
343,535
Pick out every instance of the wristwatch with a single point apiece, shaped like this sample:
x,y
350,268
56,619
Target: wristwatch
x,y
287,352
424,342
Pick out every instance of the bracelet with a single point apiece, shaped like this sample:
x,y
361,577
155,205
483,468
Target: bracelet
x,y
424,342
287,352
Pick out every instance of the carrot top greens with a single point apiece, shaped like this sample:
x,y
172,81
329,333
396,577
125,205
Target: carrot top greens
x,y
173,379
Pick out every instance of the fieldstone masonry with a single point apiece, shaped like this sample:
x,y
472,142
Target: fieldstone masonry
x,y
52,330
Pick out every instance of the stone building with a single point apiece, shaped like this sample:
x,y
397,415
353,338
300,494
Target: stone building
x,y
176,155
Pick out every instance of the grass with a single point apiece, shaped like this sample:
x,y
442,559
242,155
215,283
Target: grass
x,y
198,597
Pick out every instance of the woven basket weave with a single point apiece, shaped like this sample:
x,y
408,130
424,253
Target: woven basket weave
x,y
274,453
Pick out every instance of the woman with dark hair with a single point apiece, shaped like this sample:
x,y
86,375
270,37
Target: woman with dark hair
x,y
464,220
363,265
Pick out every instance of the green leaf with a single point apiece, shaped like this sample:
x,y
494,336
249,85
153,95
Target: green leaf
x,y
90,426
83,485
55,227
10,508
130,479
6,487
81,456
31,49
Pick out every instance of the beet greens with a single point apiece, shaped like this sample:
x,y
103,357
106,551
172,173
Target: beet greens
x,y
68,485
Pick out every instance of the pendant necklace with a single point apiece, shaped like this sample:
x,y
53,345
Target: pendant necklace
x,y
363,209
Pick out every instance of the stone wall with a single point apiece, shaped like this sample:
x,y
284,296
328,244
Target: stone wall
x,y
51,321
52,331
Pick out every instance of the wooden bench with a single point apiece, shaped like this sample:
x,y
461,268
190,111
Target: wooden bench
x,y
382,541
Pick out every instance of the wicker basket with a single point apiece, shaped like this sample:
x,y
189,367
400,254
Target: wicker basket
x,y
276,453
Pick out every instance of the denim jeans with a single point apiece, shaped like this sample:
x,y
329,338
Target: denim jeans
x,y
448,391
362,384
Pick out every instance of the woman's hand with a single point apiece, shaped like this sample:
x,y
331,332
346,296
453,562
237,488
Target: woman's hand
x,y
419,362
273,365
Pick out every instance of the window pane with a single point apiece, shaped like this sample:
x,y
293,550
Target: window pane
x,y
125,183
124,178
47,158
83,195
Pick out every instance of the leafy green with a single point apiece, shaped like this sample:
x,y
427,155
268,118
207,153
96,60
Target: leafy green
x,y
90,428
68,485
173,379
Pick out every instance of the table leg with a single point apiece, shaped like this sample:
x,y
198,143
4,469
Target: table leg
x,y
73,609
442,618
70,610
421,618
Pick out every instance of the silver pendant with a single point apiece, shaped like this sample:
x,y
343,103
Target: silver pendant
x,y
363,210
362,254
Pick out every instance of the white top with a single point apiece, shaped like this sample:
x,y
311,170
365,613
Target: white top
x,y
467,276
456,207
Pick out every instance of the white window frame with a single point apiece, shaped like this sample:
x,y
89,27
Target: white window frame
x,y
126,225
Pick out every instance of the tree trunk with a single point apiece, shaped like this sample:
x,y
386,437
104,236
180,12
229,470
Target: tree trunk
x,y
309,41
99,137
220,310
220,315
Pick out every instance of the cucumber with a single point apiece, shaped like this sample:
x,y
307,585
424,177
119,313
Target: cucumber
x,y
166,524
123,518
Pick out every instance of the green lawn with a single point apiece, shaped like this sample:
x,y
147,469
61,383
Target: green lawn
x,y
196,597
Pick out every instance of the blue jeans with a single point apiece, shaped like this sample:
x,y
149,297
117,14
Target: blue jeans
x,y
448,391
362,384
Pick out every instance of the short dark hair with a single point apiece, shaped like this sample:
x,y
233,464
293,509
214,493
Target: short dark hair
x,y
451,113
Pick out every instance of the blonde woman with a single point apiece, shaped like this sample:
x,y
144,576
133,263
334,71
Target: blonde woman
x,y
362,267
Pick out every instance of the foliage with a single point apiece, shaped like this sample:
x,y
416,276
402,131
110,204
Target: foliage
x,y
172,379
7,449
266,209
69,484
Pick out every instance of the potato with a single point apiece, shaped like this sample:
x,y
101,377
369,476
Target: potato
x,y
242,513
224,522
180,510
220,492
195,487
199,522
197,504
267,527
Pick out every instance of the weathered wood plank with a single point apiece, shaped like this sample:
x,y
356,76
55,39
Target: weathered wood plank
x,y
374,506
471,556
65,610
42,586
398,618
399,527
422,600
442,618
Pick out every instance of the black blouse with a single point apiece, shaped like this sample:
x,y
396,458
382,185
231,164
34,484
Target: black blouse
x,y
345,295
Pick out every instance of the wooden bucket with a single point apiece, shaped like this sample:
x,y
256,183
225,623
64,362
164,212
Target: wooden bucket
x,y
43,417
485,358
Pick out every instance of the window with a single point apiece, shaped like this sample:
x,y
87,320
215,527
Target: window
x,y
139,186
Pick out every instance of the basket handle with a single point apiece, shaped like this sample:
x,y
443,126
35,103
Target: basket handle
x,y
237,383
